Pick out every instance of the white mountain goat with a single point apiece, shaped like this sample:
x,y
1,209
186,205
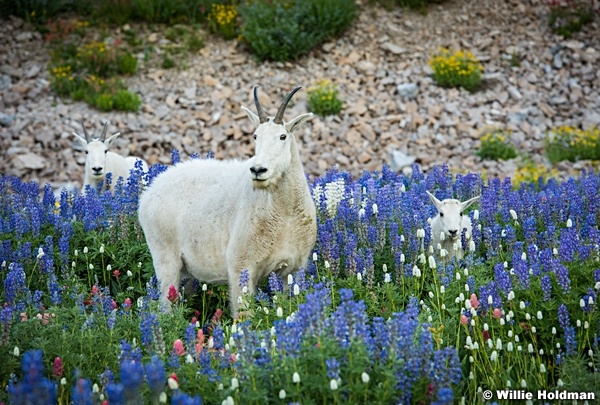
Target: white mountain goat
x,y
99,160
214,219
448,224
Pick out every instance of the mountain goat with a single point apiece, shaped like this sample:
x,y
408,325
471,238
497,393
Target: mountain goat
x,y
99,160
447,225
214,219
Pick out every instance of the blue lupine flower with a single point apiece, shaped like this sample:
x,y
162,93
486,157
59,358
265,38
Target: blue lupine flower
x,y
444,396
34,388
502,278
179,398
156,376
82,392
333,368
132,376
546,284
14,283
562,277
116,394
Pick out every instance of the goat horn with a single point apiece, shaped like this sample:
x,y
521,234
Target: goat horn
x,y
261,113
85,133
103,135
279,116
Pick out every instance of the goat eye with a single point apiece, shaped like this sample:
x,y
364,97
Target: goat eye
x,y
461,214
282,137
441,214
255,137
86,152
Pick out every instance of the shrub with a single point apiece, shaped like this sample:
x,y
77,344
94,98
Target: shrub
x,y
223,20
295,26
126,63
456,69
104,102
323,98
87,70
167,62
496,145
36,11
124,100
569,143
568,19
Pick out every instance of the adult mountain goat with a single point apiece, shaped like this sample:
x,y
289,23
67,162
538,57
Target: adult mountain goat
x,y
214,219
99,160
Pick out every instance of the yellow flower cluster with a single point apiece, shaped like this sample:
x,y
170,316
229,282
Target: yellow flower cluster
x,y
323,98
493,137
80,24
223,14
60,72
324,89
93,48
579,138
531,173
96,80
457,62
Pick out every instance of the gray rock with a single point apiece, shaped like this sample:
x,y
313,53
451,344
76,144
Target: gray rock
x,y
6,120
407,90
5,82
33,71
400,160
557,61
514,93
590,120
393,48
30,161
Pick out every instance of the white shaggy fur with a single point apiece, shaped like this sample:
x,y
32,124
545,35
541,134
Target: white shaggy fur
x,y
213,219
448,224
99,160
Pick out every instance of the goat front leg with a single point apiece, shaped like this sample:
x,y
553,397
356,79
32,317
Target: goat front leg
x,y
239,296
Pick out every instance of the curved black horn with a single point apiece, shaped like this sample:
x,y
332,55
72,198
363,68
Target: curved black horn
x,y
85,133
261,113
279,116
103,135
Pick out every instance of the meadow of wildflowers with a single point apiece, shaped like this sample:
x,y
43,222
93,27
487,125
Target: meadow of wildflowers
x,y
375,317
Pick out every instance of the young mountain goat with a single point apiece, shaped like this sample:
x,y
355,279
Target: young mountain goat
x,y
99,160
214,219
448,224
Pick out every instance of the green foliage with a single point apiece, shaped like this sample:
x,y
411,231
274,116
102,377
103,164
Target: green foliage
x,y
126,63
569,143
567,20
496,145
419,5
456,69
88,70
35,11
125,100
323,98
297,26
167,62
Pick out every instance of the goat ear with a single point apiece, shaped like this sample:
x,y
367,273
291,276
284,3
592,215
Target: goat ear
x,y
111,139
81,140
296,122
434,200
466,204
253,117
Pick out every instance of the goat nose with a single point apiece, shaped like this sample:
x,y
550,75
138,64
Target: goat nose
x,y
257,171
453,232
97,169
